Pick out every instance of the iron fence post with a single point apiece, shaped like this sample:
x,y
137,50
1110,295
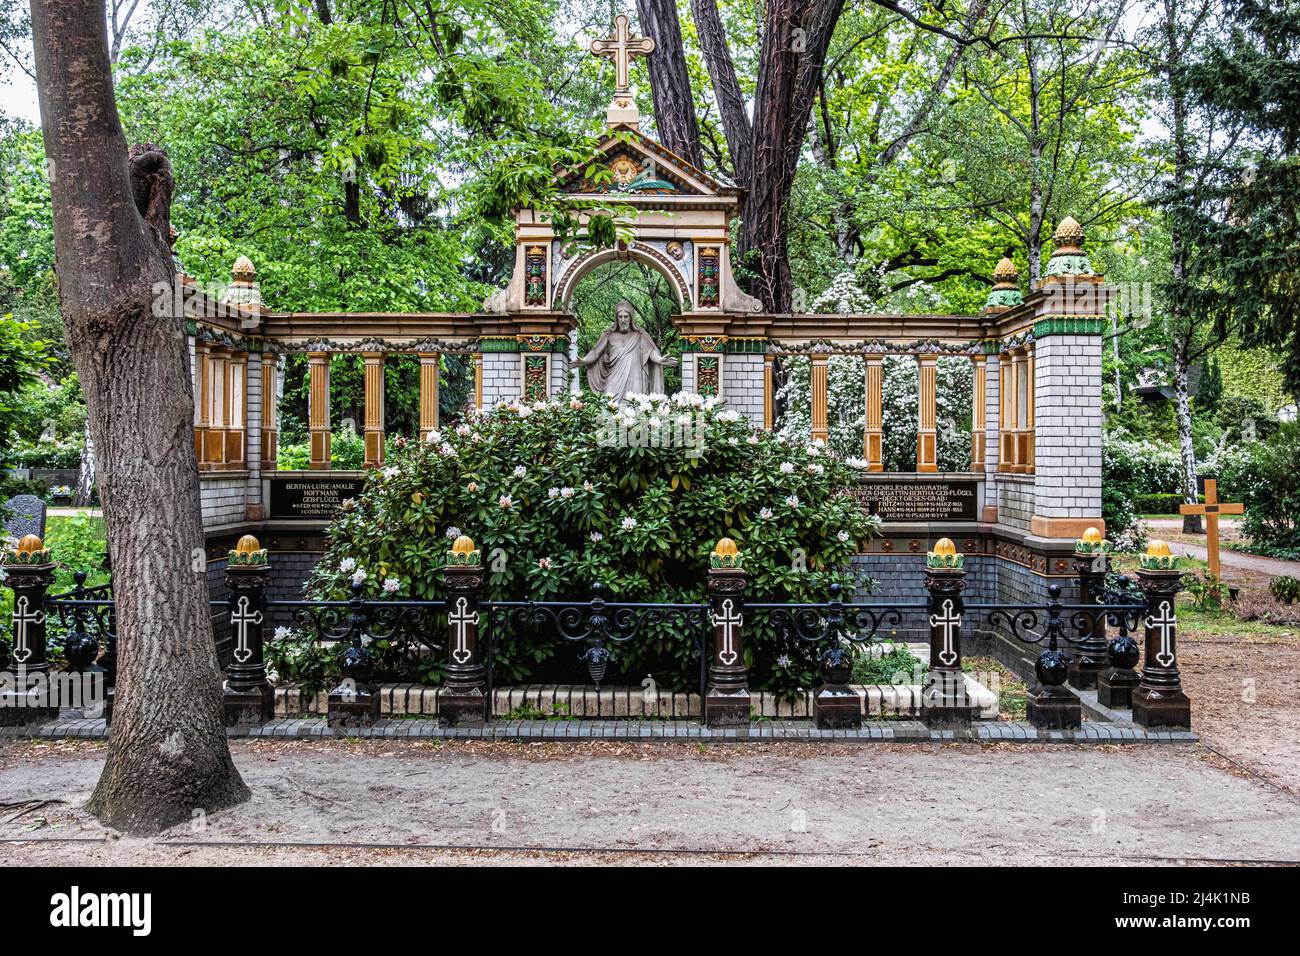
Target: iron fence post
x,y
1115,685
29,572
945,704
462,698
249,698
1159,700
1050,705
1091,560
727,703
836,705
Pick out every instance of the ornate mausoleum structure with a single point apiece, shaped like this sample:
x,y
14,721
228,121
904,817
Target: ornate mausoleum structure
x,y
1033,487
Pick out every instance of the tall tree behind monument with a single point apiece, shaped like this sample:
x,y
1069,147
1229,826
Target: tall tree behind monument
x,y
168,754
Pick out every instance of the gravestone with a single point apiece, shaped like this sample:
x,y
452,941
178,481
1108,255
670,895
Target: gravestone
x,y
25,514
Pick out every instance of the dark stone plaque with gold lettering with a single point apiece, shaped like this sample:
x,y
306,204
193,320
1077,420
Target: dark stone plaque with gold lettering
x,y
311,498
938,500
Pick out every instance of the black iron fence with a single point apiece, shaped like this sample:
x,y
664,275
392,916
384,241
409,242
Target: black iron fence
x,y
457,639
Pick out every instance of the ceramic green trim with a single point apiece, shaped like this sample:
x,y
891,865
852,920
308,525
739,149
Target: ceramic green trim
x,y
1068,265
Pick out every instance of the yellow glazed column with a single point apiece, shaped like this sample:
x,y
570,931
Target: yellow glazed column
x,y
478,380
820,431
1006,414
1020,410
236,408
374,411
979,416
429,363
769,414
926,434
215,440
873,434
318,409
202,403
270,413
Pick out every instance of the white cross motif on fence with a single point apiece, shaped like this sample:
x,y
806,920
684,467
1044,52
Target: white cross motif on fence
x,y
460,619
240,618
1165,625
950,622
729,620
24,618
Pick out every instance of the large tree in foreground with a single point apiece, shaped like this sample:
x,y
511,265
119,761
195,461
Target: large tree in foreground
x,y
168,755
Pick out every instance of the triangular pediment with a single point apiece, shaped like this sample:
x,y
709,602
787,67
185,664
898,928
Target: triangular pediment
x,y
630,164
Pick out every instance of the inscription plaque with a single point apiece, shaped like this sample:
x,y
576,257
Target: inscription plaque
x,y
311,498
948,500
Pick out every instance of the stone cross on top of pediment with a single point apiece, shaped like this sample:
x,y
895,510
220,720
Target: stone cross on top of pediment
x,y
621,48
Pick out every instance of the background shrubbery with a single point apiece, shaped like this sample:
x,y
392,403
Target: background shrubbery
x,y
553,509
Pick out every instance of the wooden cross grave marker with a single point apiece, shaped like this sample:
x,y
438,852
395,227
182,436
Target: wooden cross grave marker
x,y
1212,508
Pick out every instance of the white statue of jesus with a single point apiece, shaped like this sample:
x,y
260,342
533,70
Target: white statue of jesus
x,y
625,360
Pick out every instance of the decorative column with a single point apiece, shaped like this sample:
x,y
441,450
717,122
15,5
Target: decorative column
x,y
927,413
430,363
462,699
214,444
1159,700
945,704
1091,561
727,702
1049,704
29,572
979,414
1006,413
873,433
1020,386
270,410
820,430
249,698
202,403
236,405
318,409
478,379
769,409
374,408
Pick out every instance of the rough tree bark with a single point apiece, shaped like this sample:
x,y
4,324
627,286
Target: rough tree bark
x,y
168,755
670,84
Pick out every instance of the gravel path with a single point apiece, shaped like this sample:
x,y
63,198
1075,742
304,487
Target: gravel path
x,y
620,803
1255,569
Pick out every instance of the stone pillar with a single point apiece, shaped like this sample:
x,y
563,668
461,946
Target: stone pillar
x,y
944,701
270,410
820,429
726,704
1091,561
463,699
1049,704
430,363
927,435
29,572
873,433
1159,700
249,698
478,379
374,408
318,409
979,413
769,397
992,413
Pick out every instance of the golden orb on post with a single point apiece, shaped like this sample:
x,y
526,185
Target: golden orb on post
x,y
1158,557
725,554
247,545
1092,542
248,552
30,544
1092,536
463,552
945,556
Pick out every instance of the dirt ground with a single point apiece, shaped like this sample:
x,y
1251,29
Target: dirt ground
x,y
1234,798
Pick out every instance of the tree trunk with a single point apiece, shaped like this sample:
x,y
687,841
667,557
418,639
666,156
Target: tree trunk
x,y
168,755
670,84
1183,412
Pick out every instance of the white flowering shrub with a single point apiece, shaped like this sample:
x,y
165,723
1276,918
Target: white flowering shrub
x,y
846,408
554,504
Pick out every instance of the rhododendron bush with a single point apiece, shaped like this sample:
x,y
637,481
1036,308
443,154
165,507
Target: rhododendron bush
x,y
561,494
